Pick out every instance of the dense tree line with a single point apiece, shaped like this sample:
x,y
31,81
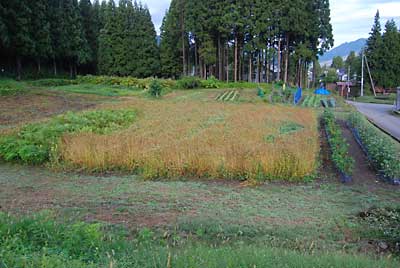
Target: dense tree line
x,y
77,36
383,53
258,40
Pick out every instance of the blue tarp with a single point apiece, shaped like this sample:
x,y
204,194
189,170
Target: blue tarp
x,y
322,91
298,95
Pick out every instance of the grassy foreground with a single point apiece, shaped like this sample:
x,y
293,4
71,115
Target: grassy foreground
x,y
40,241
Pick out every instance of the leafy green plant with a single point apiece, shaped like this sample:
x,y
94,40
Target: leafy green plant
x,y
211,82
53,82
339,146
35,142
155,88
189,82
383,151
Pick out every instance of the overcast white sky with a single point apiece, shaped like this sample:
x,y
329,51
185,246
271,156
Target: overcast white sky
x,y
351,19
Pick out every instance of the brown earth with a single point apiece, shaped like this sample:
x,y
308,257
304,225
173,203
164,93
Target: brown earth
x,y
35,105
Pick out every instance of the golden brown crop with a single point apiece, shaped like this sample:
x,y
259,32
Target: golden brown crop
x,y
203,139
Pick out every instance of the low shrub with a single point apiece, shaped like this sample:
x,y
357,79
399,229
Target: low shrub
x,y
124,81
211,82
382,150
34,143
155,88
189,82
339,146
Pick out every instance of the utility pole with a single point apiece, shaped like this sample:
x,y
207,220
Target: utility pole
x,y
348,82
370,75
362,73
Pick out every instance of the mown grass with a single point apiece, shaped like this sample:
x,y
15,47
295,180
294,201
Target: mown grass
x,y
40,241
389,99
101,90
204,140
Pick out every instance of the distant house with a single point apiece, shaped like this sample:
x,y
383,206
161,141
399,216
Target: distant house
x,y
342,74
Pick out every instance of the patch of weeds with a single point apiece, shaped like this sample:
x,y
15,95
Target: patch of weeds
x,y
189,82
10,87
155,88
39,239
290,128
35,143
53,82
383,226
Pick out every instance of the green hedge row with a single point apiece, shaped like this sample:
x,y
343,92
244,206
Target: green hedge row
x,y
382,150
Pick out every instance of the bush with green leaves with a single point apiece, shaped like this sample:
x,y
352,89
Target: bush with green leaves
x,y
189,82
339,146
383,151
53,82
34,143
124,81
155,88
211,82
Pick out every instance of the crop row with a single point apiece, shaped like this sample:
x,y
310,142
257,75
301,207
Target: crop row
x,y
381,150
318,101
230,95
339,146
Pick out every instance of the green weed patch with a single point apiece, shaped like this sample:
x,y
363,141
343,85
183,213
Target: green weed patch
x,y
41,241
10,87
35,143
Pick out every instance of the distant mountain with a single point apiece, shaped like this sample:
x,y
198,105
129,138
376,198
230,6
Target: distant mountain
x,y
343,50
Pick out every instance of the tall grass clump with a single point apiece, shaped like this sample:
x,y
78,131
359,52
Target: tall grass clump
x,y
212,141
34,143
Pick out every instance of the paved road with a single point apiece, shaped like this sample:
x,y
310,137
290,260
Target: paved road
x,y
381,116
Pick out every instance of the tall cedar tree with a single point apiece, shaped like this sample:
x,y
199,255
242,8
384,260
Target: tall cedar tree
x,y
374,47
40,27
250,38
390,56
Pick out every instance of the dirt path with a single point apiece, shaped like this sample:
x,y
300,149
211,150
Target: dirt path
x,y
363,174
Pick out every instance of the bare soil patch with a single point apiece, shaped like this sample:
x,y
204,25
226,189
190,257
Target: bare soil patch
x,y
36,105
